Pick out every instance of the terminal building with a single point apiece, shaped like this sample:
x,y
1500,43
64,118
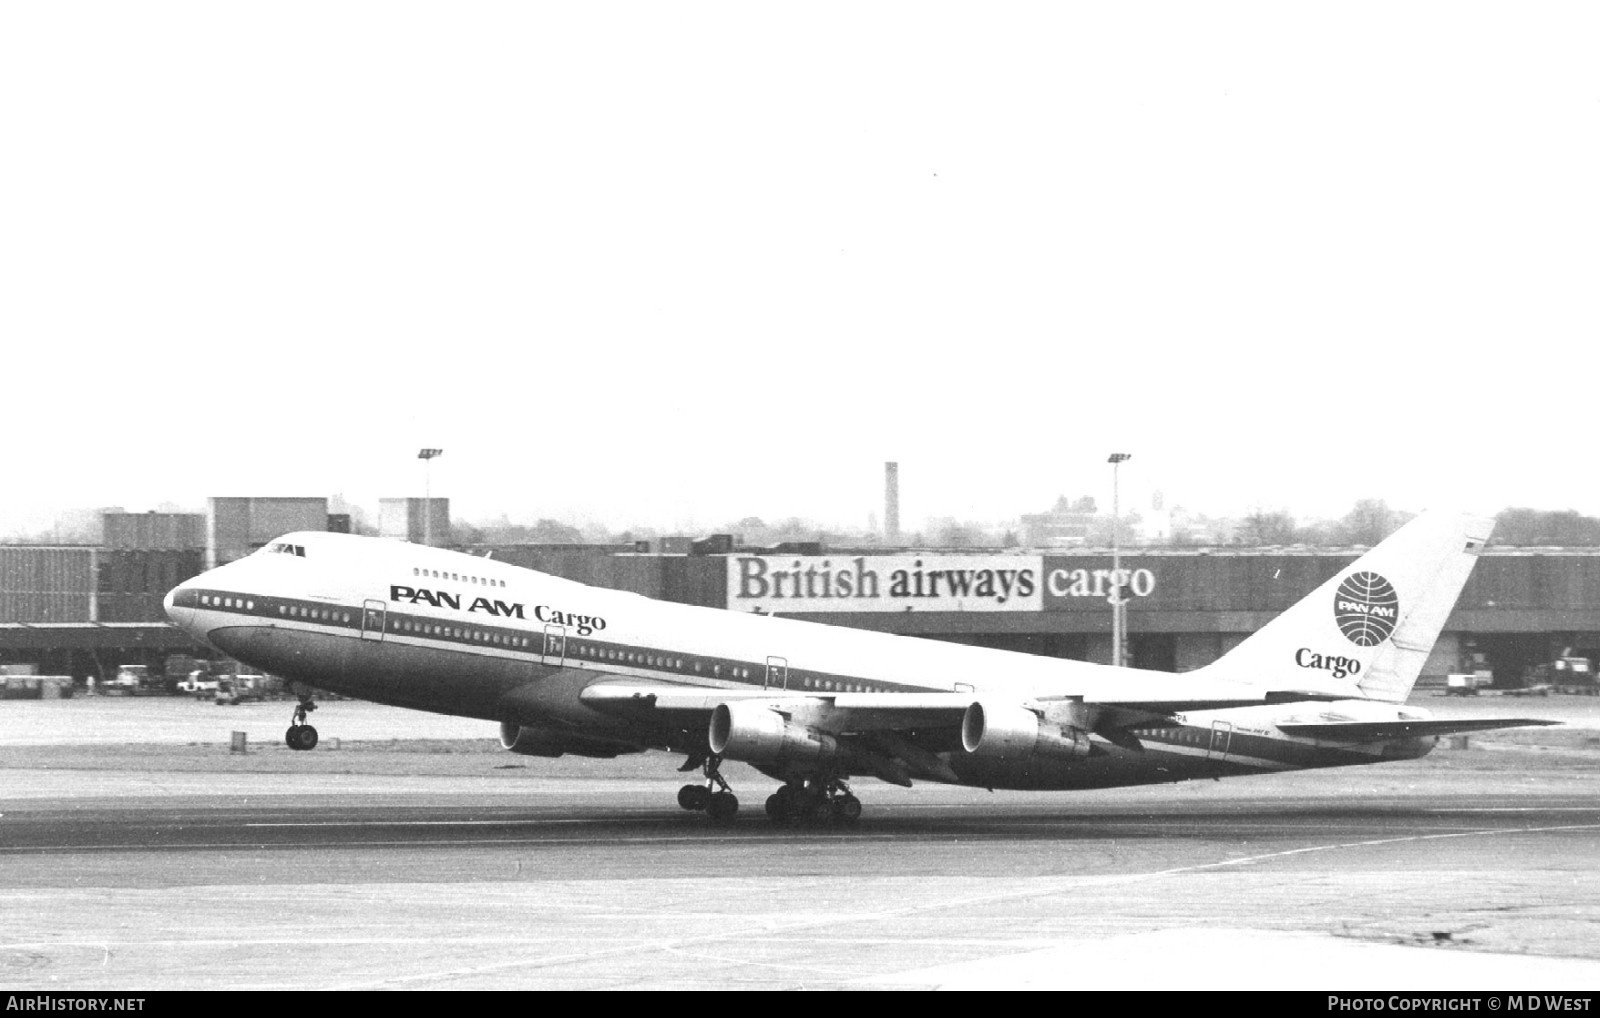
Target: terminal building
x,y
85,609
1521,608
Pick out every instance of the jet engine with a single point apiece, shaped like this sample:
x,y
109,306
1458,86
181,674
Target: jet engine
x,y
755,733
532,740
1011,731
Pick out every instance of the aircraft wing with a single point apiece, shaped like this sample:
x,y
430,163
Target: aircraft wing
x,y
887,712
1375,731
843,712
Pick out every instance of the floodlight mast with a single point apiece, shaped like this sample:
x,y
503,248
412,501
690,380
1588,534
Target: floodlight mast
x,y
426,456
1118,602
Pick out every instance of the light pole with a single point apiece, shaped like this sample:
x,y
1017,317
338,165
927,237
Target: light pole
x,y
426,456
1116,459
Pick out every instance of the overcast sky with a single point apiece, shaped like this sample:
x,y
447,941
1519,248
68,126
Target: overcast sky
x,y
675,264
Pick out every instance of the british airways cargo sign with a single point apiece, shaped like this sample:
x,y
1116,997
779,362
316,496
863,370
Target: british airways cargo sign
x,y
935,583
1065,582
883,583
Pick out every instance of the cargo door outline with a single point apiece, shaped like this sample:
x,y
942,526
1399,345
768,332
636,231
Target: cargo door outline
x,y
554,652
1221,740
777,676
373,618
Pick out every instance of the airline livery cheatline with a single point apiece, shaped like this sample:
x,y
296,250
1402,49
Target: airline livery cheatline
x,y
568,668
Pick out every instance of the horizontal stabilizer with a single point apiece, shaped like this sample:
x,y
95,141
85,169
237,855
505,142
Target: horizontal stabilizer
x,y
1374,731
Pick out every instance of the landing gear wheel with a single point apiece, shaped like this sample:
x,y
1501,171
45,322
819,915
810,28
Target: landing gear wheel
x,y
719,805
817,801
723,806
814,807
785,806
301,735
778,806
847,809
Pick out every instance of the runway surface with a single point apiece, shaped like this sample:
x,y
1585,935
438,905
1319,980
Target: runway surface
x,y
450,865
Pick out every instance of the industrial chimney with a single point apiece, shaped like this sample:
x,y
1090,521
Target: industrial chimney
x,y
891,503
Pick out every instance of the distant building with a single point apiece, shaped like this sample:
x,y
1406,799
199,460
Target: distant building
x,y
153,531
1057,529
408,519
1158,524
1153,527
238,526
48,583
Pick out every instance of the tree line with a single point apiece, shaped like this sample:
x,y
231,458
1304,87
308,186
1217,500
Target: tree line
x,y
1371,520
1366,523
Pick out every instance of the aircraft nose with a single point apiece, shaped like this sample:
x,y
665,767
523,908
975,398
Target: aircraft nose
x,y
177,605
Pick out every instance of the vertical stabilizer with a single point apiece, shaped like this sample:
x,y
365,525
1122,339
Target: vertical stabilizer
x,y
1368,631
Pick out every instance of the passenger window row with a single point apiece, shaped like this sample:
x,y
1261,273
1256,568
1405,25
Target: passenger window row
x,y
316,614
223,601
399,625
715,669
438,574
573,648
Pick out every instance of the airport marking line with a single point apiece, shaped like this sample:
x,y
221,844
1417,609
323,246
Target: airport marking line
x,y
743,927
1513,809
1065,885
833,837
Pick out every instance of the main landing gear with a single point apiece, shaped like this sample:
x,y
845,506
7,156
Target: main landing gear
x,y
815,801
301,735
818,801
719,805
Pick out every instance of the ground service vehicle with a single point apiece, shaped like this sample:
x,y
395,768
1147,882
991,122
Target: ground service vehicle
x,y
198,684
130,680
237,689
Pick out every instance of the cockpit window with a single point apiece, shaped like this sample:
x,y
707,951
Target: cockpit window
x,y
285,548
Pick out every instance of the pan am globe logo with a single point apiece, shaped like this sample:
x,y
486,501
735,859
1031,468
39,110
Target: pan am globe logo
x,y
1366,608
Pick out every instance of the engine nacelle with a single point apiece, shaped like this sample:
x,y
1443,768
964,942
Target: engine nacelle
x,y
1011,731
531,740
755,733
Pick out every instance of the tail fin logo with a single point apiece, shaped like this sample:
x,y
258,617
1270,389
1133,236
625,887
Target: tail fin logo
x,y
1366,608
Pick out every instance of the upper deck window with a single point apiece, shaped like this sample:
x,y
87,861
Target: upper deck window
x,y
436,574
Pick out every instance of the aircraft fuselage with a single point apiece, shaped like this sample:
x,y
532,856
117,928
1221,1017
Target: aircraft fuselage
x,y
440,631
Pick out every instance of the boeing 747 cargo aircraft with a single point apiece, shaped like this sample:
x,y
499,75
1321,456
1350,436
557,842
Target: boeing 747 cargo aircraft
x,y
568,668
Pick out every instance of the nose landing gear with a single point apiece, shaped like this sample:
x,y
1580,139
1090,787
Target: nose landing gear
x,y
301,735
